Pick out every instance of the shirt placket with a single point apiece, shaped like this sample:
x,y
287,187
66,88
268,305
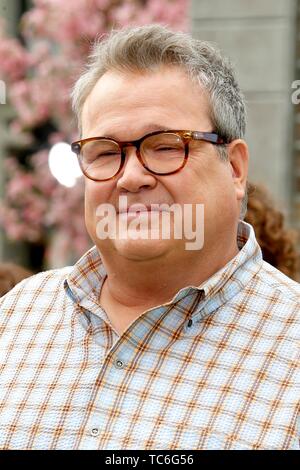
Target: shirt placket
x,y
112,388
108,392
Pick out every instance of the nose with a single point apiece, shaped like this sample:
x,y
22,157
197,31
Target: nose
x,y
134,176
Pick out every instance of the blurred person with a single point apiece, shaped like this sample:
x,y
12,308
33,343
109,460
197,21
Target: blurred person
x,y
279,244
10,275
155,338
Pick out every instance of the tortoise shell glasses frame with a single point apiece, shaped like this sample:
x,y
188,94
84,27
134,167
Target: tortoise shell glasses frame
x,y
186,137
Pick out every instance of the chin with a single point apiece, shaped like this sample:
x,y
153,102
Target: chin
x,y
141,249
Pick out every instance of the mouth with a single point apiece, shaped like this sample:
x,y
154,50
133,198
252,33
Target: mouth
x,y
137,209
149,212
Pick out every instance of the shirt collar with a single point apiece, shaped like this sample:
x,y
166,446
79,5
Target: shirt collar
x,y
84,282
226,283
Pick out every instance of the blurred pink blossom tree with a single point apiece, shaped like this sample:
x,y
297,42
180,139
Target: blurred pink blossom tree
x,y
39,71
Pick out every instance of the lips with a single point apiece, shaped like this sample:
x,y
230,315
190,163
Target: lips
x,y
139,208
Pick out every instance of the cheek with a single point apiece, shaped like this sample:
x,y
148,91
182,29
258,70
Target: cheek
x,y
90,202
210,184
89,212
94,196
96,193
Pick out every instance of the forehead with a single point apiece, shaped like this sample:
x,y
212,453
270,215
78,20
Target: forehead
x,y
158,97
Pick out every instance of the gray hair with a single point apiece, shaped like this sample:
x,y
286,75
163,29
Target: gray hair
x,y
147,48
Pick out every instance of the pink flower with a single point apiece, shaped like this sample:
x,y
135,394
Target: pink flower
x,y
59,35
19,185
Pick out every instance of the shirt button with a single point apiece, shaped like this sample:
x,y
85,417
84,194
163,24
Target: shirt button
x,y
119,364
95,432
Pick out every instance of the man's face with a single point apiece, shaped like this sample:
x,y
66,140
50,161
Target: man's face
x,y
126,106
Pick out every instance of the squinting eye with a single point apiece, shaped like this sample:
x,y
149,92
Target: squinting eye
x,y
159,149
107,154
166,148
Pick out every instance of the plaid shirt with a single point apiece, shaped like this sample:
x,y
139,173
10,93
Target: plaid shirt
x,y
216,368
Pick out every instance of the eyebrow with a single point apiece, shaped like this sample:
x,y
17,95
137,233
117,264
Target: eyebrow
x,y
146,130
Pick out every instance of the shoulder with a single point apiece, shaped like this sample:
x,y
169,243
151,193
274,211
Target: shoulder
x,y
268,309
274,281
274,296
44,284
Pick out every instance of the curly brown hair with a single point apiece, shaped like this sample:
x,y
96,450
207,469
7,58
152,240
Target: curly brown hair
x,y
278,243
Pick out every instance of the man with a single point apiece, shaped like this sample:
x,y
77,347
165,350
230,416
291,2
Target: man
x,y
148,342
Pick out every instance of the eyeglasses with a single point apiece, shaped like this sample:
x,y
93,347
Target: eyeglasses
x,y
160,152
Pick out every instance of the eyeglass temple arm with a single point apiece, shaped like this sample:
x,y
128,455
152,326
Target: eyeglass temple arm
x,y
208,136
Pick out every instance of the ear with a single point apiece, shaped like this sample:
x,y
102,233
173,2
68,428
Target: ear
x,y
238,156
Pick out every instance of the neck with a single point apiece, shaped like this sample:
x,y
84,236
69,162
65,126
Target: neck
x,y
131,286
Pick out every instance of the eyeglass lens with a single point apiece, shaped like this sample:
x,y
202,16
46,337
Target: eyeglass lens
x,y
161,153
